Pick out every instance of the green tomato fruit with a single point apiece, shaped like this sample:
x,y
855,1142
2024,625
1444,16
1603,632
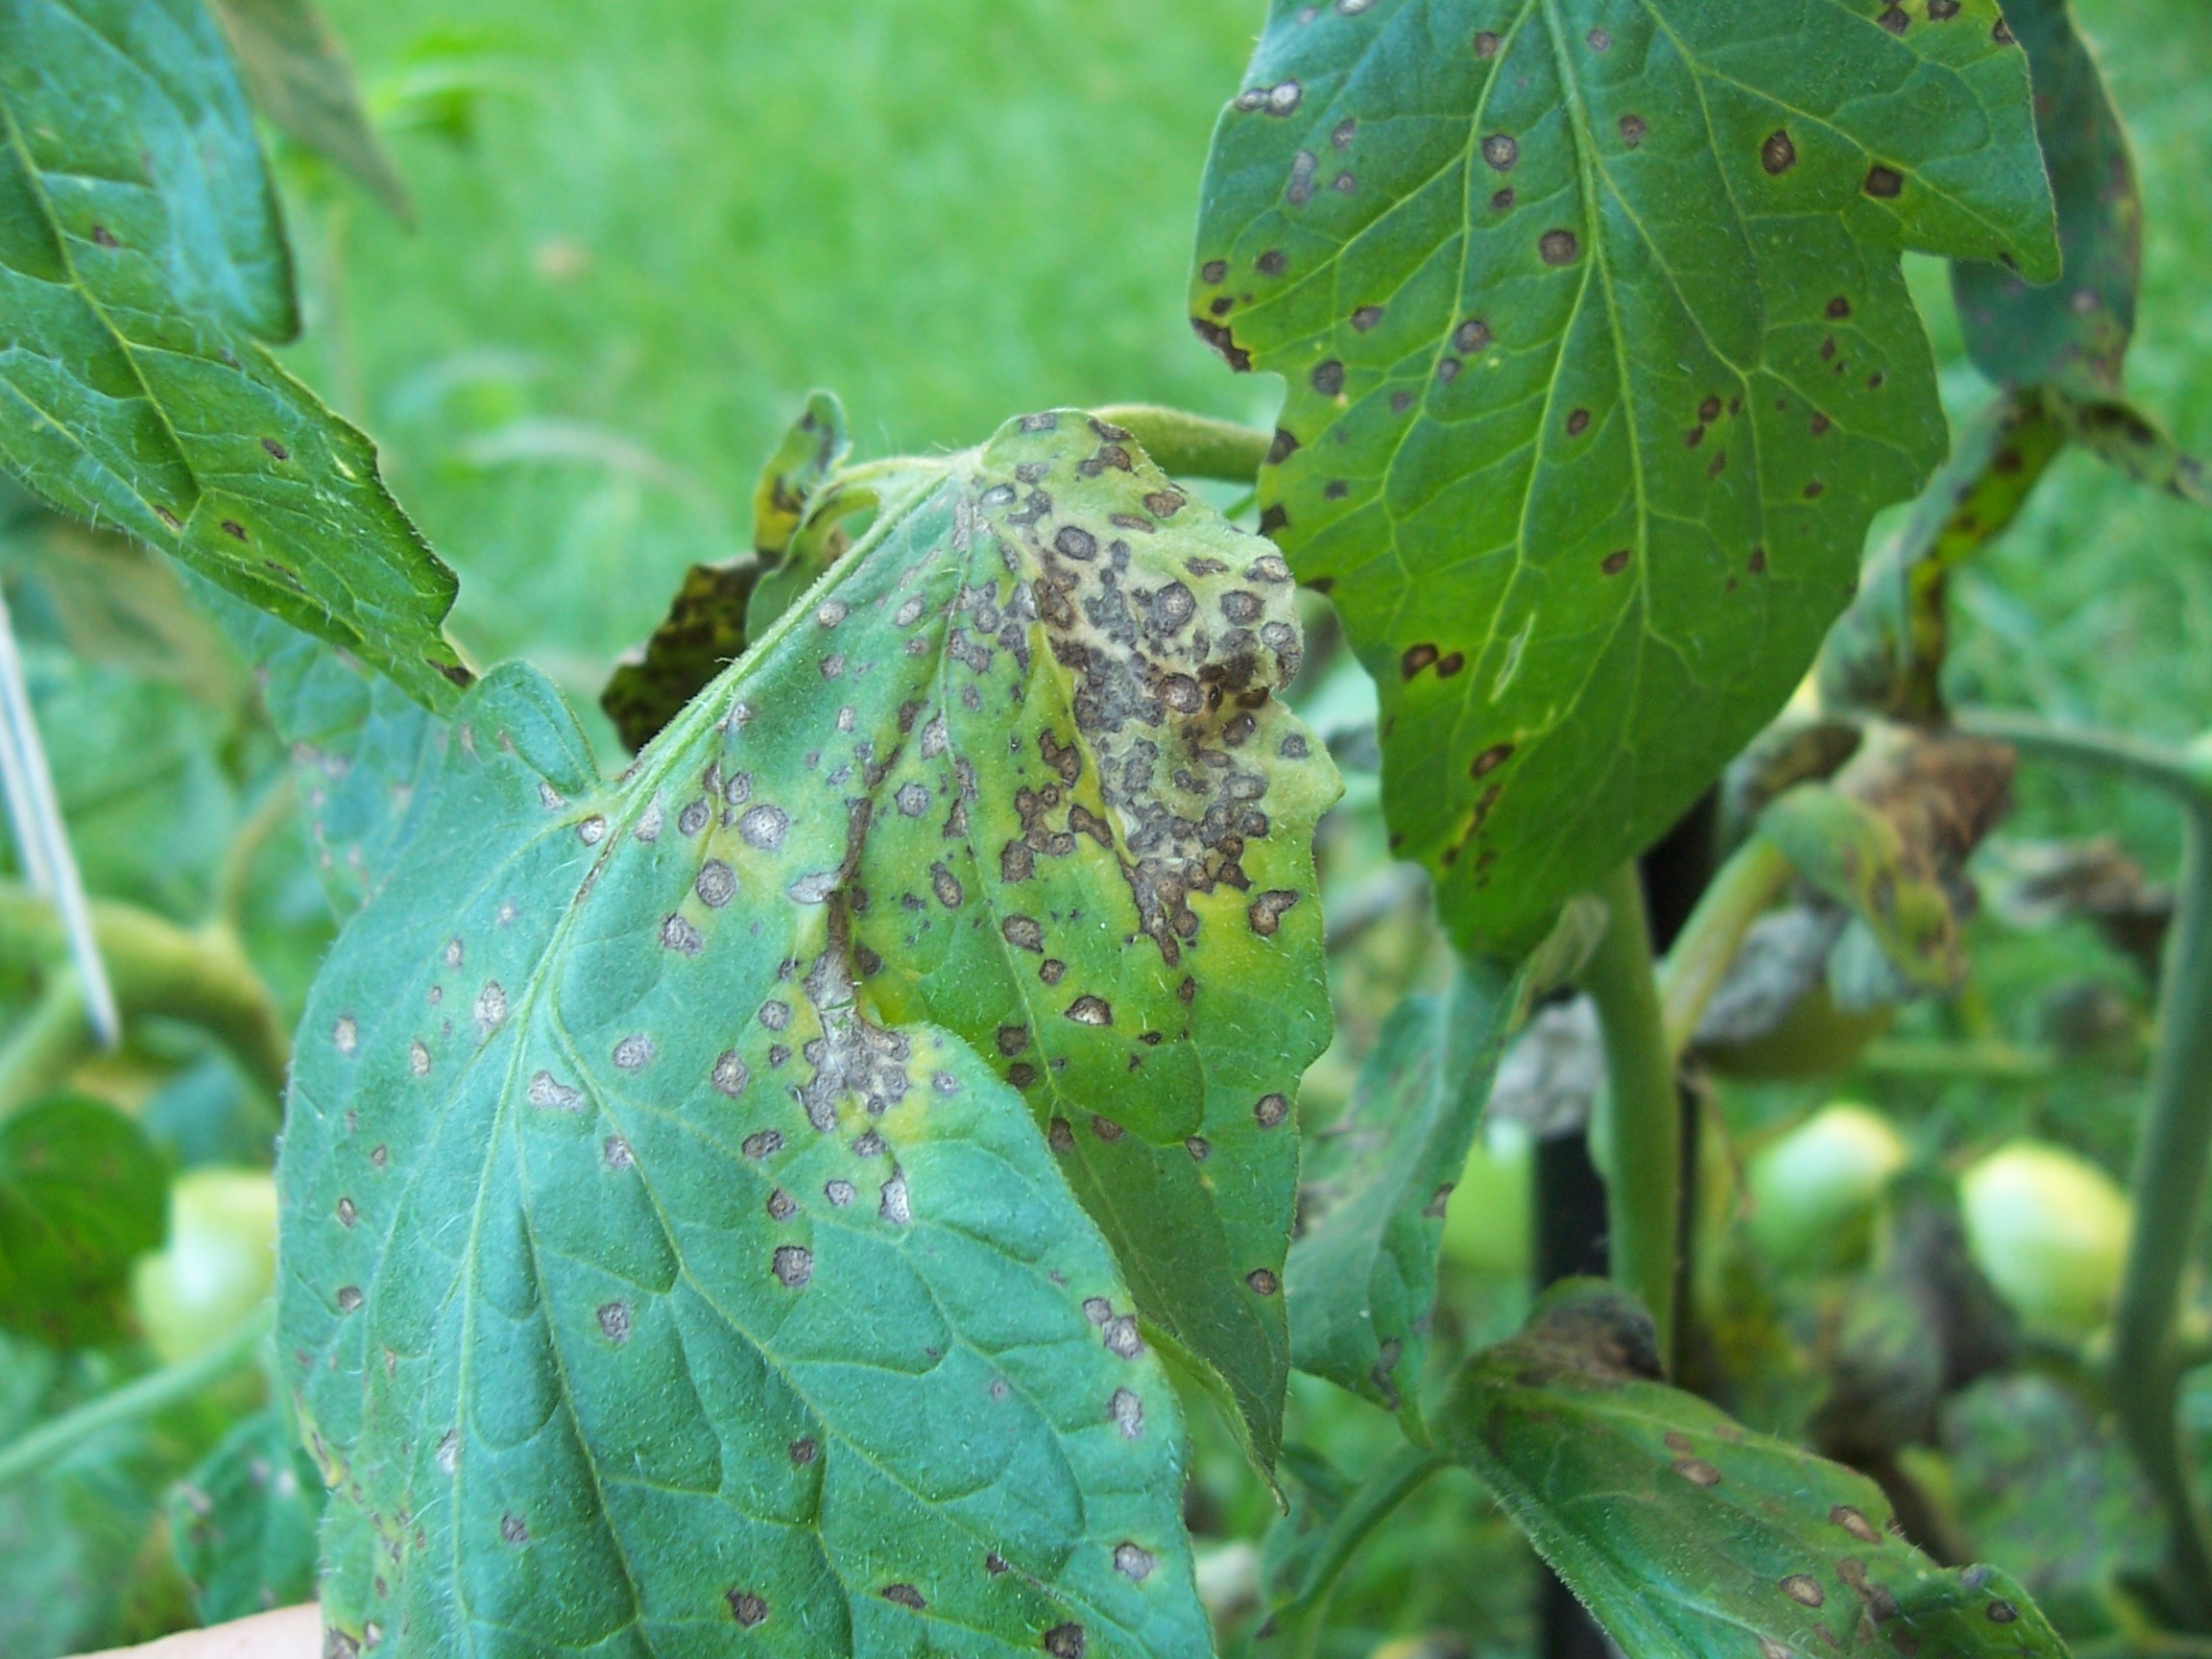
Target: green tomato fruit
x,y
2049,1232
1813,1190
1488,1216
1816,1039
220,1261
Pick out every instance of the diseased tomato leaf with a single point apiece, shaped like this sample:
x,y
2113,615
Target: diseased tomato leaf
x,y
1600,362
1685,1532
2072,333
142,270
656,1237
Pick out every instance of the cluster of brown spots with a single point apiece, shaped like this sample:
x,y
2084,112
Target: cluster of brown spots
x,y
853,1058
1281,99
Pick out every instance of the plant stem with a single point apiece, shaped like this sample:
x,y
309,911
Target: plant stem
x,y
1745,885
2168,1189
200,974
1192,446
155,1391
1640,1115
1306,1616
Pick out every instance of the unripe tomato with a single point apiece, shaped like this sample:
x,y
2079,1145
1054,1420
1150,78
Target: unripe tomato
x,y
1816,1039
1813,1190
220,1260
1487,1220
2049,1232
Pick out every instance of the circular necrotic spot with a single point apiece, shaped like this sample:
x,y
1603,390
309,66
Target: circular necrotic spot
x,y
1502,200
693,818
1182,693
1052,969
1060,1135
2001,1612
1366,317
765,826
1199,1147
1214,271
763,1143
1501,150
730,1074
1615,562
793,1265
592,831
1416,659
1578,422
1105,1128
1599,40
1272,263
1697,1471
418,1059
1065,1641
1777,155
802,1450
1853,1522
1558,247
634,1053
346,1035
1012,1039
1262,1281
780,1206
1884,183
1632,130
1023,932
832,612
1490,759
1450,663
1803,1590
1448,369
716,885
345,1212
1270,1110
1329,378
513,1529
1486,44
614,1322
1838,308
1076,543
1088,1010
349,1298
747,1608
1174,605
680,936
1021,1074
1239,607
839,1191
1266,912
1471,336
1132,1561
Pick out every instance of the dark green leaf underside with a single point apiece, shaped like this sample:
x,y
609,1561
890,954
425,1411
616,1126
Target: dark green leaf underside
x,y
1685,1532
2074,332
1600,362
142,266
653,1242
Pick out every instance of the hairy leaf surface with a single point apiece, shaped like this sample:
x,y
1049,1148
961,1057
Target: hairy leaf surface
x,y
1600,361
243,1522
302,81
141,267
1685,1532
655,1246
80,1199
2074,332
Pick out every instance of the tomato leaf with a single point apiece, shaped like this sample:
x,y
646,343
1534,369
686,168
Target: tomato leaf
x,y
702,635
300,81
2072,333
2130,443
142,267
243,1522
1362,1275
1885,654
1683,1531
81,1198
1600,362
652,1240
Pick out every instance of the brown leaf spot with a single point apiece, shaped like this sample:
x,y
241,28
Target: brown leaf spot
x,y
1883,183
1804,1590
1558,247
1777,155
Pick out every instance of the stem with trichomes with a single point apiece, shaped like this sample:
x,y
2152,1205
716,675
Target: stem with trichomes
x,y
1638,1128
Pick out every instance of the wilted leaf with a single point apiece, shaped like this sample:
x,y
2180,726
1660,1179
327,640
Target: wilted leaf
x,y
302,82
702,635
360,746
1801,746
650,1240
2130,443
243,1522
141,267
1886,653
1361,1284
2074,332
1890,838
1685,1532
1600,362
79,1200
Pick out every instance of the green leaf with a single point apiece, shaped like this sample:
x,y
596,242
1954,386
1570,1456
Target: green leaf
x,y
360,746
1361,1285
1886,653
651,1240
1600,362
243,1522
302,82
81,1198
2074,332
141,266
1683,1531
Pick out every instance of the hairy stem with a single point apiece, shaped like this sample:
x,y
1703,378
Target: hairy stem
x,y
197,974
155,1391
2168,1189
1640,1116
1306,1616
1192,446
1755,873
